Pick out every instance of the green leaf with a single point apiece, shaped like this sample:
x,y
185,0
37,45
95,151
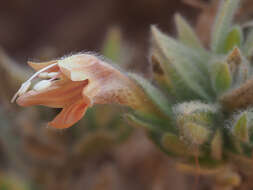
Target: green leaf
x,y
173,144
149,122
168,79
240,128
234,39
161,75
222,24
154,94
184,64
186,34
221,77
194,133
133,120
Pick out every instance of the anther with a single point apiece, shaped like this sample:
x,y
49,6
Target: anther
x,y
42,85
46,75
25,86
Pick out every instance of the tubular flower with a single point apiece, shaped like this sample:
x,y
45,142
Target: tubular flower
x,y
76,83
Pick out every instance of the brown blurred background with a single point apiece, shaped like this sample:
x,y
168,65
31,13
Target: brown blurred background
x,y
51,28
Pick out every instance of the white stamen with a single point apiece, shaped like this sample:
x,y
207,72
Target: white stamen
x,y
41,71
42,85
53,74
46,75
25,86
43,75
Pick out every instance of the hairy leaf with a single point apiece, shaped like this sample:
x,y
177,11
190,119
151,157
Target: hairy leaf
x,y
222,24
186,34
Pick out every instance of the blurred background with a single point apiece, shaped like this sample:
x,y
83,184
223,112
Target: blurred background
x,y
102,152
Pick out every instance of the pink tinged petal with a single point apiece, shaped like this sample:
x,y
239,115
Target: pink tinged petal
x,y
41,65
69,115
106,92
58,95
114,89
107,85
83,66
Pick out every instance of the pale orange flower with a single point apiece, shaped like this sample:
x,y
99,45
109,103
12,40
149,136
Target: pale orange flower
x,y
76,83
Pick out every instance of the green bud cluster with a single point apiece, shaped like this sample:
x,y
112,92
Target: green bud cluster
x,y
205,94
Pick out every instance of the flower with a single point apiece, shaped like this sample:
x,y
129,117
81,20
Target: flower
x,y
75,83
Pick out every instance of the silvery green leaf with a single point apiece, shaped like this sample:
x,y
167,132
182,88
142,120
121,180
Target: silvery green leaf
x,y
186,33
187,66
221,76
222,24
234,39
240,128
149,122
160,74
156,96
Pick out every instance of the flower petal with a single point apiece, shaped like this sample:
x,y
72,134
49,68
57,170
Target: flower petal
x,y
107,85
83,66
41,65
69,115
58,95
116,88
